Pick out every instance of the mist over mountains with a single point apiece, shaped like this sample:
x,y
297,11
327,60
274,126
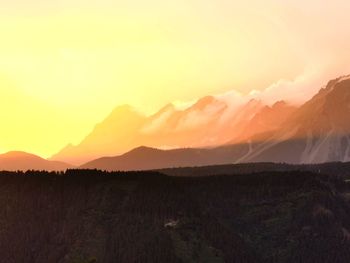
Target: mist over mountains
x,y
315,132
211,121
212,131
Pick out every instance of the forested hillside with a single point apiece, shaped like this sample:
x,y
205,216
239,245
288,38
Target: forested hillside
x,y
86,216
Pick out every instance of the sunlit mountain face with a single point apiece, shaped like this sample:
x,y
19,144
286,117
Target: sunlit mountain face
x,y
317,131
82,80
211,131
208,122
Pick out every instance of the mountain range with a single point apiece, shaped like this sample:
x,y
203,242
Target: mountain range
x,y
316,132
212,131
209,122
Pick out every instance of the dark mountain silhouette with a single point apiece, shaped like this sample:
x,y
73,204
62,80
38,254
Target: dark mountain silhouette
x,y
13,161
145,158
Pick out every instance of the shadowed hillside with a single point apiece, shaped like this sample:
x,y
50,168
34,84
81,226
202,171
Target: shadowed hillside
x,y
145,158
84,216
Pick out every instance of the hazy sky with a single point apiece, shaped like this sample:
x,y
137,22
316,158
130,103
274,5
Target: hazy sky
x,y
65,64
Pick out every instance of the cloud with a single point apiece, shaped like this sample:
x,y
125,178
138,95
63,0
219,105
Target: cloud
x,y
295,91
158,123
307,84
298,90
199,118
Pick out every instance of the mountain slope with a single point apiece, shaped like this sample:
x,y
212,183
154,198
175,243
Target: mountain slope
x,y
266,119
319,131
145,158
14,161
115,134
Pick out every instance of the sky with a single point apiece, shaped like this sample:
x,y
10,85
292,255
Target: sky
x,y
64,65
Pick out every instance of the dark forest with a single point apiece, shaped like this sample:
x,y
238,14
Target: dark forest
x,y
86,216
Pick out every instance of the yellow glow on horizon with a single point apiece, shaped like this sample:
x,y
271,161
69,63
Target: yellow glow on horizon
x,y
63,71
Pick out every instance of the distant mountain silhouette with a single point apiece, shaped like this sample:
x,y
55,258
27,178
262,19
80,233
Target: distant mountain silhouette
x,y
117,133
13,161
208,122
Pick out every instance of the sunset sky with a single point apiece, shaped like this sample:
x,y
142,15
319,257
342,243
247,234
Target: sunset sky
x,y
65,64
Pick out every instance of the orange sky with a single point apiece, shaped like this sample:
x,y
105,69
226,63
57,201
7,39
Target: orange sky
x,y
64,65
